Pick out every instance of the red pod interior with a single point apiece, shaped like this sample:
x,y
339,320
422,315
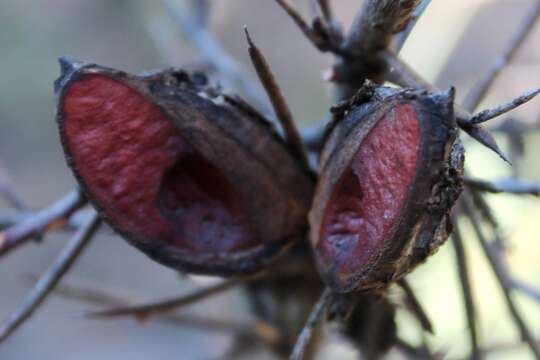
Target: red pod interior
x,y
140,170
370,194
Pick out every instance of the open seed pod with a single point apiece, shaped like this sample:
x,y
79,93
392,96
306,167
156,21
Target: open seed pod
x,y
198,181
391,170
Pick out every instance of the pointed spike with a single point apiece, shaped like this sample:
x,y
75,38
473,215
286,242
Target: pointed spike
x,y
486,138
446,96
445,99
68,65
248,37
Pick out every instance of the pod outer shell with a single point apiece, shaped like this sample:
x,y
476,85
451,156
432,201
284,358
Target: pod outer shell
x,y
233,137
423,223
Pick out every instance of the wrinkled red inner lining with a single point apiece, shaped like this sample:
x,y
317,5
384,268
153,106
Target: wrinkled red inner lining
x,y
144,174
371,192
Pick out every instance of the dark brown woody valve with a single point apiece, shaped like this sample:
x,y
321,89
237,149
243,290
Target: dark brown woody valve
x,y
197,180
391,170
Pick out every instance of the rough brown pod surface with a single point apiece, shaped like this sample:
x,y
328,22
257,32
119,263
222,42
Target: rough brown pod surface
x,y
391,171
197,180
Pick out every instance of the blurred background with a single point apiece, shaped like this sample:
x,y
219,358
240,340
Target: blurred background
x,y
453,44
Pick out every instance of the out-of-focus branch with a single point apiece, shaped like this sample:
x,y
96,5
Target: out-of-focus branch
x,y
510,186
326,10
100,295
324,35
481,88
164,306
8,192
414,305
305,336
49,218
500,244
502,276
50,278
201,38
466,288
10,218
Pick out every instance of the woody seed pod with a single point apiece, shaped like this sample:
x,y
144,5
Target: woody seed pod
x,y
391,170
197,180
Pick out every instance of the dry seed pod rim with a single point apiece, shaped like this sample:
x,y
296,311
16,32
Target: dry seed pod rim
x,y
294,182
436,186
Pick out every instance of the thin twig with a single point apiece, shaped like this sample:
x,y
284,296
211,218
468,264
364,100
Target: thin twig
x,y
482,87
51,217
510,186
313,320
323,38
402,37
200,37
502,278
164,306
415,306
526,289
499,243
201,11
403,75
413,352
326,10
466,289
489,114
376,24
100,295
50,278
299,20
8,192
11,218
279,103
370,35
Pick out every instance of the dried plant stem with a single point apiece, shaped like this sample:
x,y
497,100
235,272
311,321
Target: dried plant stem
x,y
402,37
510,186
415,306
313,320
376,24
489,114
527,289
499,243
326,10
164,306
11,218
371,34
482,87
277,99
53,216
98,294
502,277
403,75
8,192
466,288
50,278
323,37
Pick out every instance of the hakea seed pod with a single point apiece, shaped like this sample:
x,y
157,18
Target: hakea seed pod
x,y
391,170
197,180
